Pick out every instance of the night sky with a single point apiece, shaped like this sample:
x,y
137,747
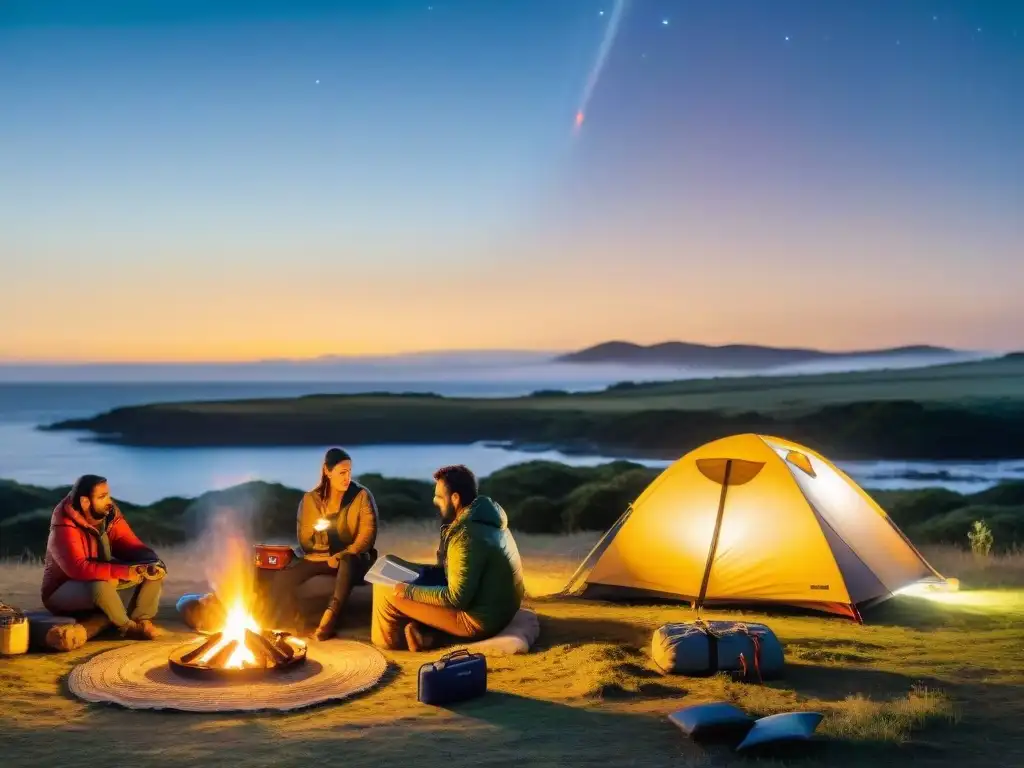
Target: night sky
x,y
189,180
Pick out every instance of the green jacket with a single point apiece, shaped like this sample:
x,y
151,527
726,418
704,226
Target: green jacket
x,y
482,566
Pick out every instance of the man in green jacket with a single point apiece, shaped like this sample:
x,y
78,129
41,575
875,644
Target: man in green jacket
x,y
482,587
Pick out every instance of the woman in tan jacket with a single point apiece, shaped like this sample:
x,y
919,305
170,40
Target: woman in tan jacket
x,y
337,530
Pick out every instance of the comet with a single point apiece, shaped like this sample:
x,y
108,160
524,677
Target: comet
x,y
610,33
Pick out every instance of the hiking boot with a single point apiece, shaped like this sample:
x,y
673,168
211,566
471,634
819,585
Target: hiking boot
x,y
420,638
66,637
133,630
150,631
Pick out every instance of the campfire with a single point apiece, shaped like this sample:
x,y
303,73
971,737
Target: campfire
x,y
240,649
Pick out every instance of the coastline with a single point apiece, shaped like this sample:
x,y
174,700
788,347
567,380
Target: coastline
x,y
857,431
956,412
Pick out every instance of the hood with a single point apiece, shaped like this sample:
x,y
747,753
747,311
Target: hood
x,y
65,514
486,511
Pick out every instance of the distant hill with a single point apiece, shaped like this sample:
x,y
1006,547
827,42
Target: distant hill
x,y
742,356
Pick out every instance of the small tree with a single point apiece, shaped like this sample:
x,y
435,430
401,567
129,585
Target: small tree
x,y
981,538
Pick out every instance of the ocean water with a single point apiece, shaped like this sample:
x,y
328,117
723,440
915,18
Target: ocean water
x,y
143,475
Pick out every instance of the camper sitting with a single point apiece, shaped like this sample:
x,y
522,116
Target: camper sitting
x,y
482,588
91,555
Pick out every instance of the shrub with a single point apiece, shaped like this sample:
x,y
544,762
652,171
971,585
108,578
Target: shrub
x,y
980,537
537,514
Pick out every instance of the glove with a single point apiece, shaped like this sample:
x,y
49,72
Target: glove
x,y
156,570
150,571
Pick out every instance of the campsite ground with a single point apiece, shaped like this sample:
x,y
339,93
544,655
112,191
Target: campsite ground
x,y
934,682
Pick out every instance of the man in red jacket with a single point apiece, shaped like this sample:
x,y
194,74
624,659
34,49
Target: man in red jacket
x,y
91,554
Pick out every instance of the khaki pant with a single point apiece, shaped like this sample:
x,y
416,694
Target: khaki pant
x,y
86,596
392,613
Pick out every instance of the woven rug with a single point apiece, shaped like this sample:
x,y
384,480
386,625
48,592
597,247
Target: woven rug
x,y
137,676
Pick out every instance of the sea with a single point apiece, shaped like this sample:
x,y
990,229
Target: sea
x,y
144,475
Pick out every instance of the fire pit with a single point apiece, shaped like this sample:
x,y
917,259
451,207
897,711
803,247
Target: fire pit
x,y
241,651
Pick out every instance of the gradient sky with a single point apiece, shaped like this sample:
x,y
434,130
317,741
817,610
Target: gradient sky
x,y
175,184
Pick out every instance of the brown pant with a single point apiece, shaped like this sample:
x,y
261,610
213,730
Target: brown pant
x,y
392,613
80,597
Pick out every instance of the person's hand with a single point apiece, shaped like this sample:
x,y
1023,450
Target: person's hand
x,y
401,590
335,560
140,570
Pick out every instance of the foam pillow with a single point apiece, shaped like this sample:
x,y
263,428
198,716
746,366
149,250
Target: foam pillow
x,y
708,721
785,728
518,637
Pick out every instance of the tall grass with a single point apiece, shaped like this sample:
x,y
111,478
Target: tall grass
x,y
548,560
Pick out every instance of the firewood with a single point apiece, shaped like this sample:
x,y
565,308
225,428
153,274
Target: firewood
x,y
263,659
196,653
221,657
269,648
277,640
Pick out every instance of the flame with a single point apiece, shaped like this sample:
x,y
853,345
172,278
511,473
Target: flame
x,y
238,620
229,573
321,525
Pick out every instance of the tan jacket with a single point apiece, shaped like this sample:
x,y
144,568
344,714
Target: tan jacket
x,y
353,526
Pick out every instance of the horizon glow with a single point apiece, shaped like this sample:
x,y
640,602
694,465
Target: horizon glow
x,y
179,187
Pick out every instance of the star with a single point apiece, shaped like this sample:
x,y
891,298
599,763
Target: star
x,y
787,38
600,13
318,82
664,22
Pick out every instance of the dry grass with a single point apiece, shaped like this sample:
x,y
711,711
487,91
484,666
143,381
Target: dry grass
x,y
927,681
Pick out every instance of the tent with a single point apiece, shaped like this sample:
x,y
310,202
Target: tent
x,y
754,519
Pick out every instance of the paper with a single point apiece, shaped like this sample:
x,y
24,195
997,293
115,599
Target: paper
x,y
389,573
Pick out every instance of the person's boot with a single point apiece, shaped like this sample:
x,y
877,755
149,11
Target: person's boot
x,y
420,638
133,630
325,630
150,631
66,637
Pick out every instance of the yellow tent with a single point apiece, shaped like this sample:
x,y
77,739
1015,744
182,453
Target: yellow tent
x,y
750,519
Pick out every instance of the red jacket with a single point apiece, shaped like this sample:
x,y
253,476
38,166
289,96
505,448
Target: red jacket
x,y
73,549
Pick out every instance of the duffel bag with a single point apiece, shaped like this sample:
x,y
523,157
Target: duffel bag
x,y
705,648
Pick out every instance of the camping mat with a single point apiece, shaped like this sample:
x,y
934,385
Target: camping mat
x,y
136,675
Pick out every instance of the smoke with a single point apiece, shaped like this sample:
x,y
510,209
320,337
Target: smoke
x,y
225,548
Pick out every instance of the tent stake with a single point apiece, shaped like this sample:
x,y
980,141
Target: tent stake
x,y
714,539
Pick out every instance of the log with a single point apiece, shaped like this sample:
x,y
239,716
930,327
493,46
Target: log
x,y
263,659
267,648
195,653
276,639
221,657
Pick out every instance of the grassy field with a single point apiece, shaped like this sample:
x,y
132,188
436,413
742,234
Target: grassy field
x,y
935,683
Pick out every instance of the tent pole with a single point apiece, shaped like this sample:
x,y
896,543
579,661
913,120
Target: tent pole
x,y
714,539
